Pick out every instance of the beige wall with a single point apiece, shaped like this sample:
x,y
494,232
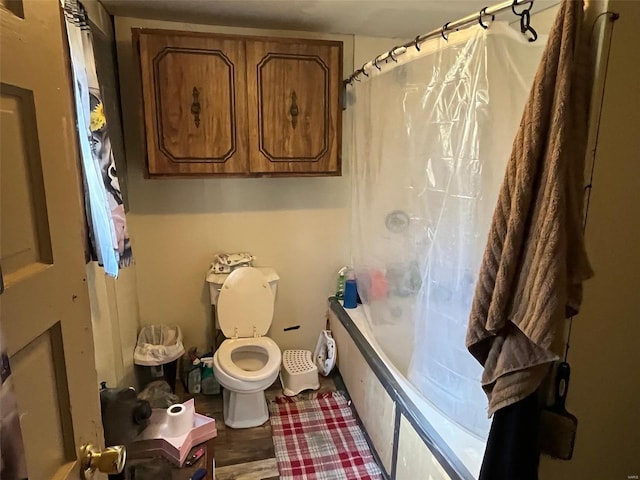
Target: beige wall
x,y
114,318
299,226
605,386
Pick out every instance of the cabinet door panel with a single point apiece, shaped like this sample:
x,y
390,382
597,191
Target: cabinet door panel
x,y
194,103
294,106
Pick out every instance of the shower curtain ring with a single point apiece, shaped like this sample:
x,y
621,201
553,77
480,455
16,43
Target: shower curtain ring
x,y
528,8
363,70
483,12
375,63
416,42
391,54
444,29
513,8
525,25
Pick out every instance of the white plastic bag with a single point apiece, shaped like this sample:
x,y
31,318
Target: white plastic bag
x,y
158,345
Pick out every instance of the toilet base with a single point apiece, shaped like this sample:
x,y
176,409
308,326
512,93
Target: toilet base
x,y
244,410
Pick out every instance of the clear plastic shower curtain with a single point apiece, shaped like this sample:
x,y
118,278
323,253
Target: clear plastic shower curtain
x,y
432,135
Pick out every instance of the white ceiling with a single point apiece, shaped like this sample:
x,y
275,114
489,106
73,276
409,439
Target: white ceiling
x,y
390,18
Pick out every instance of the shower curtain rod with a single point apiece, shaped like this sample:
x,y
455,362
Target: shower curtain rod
x,y
449,26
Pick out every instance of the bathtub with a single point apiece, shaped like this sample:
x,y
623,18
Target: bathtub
x,y
412,439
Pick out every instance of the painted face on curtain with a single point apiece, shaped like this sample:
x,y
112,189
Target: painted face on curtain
x,y
101,149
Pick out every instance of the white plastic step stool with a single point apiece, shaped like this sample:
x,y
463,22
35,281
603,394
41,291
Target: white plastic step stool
x,y
298,372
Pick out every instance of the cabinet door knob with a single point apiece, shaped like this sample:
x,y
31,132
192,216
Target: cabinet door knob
x,y
195,106
293,109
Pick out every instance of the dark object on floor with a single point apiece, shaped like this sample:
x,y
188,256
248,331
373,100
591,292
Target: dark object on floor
x,y
512,448
149,470
557,426
124,416
159,394
148,374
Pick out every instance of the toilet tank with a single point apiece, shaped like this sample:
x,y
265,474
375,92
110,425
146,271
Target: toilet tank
x,y
215,281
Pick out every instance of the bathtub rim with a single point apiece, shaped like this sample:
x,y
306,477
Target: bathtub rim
x,y
443,453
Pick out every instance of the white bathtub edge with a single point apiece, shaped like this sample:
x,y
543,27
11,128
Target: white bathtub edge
x,y
460,452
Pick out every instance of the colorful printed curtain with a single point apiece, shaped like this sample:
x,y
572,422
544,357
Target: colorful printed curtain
x,y
110,244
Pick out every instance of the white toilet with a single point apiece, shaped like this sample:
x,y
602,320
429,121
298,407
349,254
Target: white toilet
x,y
247,362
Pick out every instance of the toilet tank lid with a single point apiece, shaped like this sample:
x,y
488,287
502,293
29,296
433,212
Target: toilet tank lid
x,y
245,304
218,278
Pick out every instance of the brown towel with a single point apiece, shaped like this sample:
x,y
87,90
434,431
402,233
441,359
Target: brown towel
x,y
534,263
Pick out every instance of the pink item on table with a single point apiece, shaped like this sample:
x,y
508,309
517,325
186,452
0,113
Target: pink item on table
x,y
153,439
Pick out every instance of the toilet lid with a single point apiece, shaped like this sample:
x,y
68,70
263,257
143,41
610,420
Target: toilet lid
x,y
245,303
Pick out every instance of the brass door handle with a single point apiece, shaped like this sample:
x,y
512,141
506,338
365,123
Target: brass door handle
x,y
111,460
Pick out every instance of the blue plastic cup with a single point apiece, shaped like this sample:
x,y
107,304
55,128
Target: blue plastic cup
x,y
350,294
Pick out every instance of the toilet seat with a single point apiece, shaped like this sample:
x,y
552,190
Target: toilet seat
x,y
230,346
245,304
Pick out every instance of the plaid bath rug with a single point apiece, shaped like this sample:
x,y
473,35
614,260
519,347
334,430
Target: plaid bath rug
x,y
320,439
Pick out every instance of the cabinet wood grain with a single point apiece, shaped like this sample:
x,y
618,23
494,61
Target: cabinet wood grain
x,y
294,106
194,103
243,106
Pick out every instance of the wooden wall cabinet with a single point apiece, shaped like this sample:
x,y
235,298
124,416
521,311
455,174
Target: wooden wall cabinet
x,y
241,106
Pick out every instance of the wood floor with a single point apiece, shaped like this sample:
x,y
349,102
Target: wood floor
x,y
239,454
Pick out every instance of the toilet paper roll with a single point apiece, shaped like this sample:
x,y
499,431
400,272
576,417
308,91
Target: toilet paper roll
x,y
179,420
